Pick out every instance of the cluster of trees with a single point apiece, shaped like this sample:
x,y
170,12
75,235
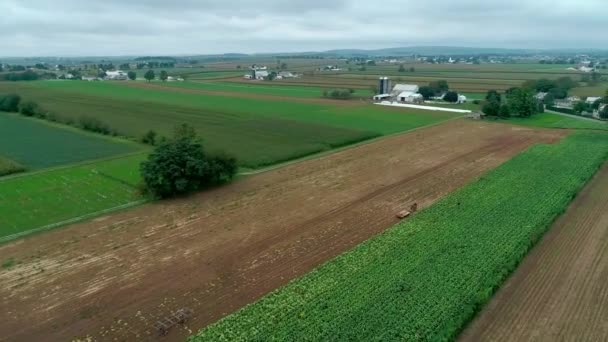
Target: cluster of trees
x,y
338,94
516,101
27,75
403,69
151,75
154,65
555,89
435,88
9,102
181,165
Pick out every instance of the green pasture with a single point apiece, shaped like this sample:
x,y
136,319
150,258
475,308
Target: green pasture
x,y
426,277
36,144
597,90
258,132
274,88
39,199
550,120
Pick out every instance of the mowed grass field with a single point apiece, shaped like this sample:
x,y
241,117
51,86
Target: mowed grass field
x,y
425,278
36,144
258,132
37,200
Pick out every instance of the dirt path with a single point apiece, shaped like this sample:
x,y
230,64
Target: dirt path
x,y
560,291
113,277
353,102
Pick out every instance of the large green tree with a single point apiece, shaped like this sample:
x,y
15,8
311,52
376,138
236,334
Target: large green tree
x,y
522,102
132,75
149,75
163,75
181,165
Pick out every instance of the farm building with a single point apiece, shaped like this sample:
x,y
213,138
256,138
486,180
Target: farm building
x,y
260,75
462,99
400,88
592,99
540,96
287,74
410,97
118,75
381,97
406,93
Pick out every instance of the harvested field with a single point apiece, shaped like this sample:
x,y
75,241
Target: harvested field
x,y
559,292
115,276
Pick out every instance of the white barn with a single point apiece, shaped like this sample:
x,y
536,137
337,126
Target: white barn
x,y
116,75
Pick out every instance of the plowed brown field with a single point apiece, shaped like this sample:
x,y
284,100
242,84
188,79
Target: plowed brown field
x,y
113,277
560,291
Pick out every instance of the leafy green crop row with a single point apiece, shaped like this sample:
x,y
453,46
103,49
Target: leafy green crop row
x,y
426,277
37,144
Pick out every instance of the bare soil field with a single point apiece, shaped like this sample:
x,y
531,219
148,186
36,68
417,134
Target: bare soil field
x,y
560,291
113,277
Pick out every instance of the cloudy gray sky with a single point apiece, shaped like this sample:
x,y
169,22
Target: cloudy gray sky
x,y
171,27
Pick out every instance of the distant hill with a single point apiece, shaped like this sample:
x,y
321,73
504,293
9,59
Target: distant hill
x,y
429,50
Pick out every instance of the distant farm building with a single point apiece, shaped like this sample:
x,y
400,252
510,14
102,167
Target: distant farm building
x,y
260,75
593,99
116,75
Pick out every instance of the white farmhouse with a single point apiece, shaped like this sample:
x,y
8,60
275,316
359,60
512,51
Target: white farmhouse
x,y
592,99
118,75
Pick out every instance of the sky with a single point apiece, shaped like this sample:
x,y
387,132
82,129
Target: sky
x,y
189,27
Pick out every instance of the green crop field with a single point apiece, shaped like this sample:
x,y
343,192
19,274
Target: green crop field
x,y
37,144
423,279
44,198
551,120
275,88
597,90
258,132
216,74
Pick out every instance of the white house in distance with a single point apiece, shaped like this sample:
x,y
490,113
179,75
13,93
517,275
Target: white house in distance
x,y
117,75
592,99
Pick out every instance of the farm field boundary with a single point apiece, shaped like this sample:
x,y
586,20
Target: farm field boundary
x,y
219,250
464,246
558,293
51,198
8,238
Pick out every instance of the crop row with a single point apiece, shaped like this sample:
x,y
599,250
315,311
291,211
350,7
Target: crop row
x,y
425,278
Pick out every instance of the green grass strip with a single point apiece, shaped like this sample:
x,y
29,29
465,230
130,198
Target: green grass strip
x,y
425,278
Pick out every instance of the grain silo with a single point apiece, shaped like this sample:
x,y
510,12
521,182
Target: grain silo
x,y
384,85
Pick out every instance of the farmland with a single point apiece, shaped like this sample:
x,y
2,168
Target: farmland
x,y
222,249
263,88
558,121
37,144
425,278
257,131
46,198
558,291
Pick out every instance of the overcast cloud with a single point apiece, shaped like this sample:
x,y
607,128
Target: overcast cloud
x,y
178,27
